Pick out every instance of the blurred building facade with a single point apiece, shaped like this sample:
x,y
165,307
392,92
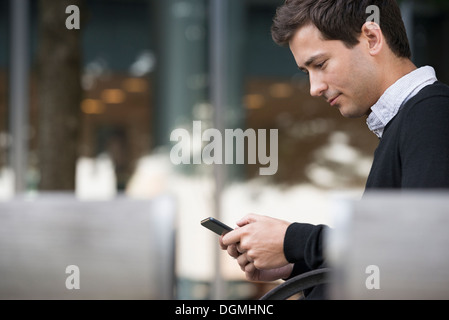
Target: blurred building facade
x,y
145,72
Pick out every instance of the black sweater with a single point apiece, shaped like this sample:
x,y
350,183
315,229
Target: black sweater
x,y
414,149
413,153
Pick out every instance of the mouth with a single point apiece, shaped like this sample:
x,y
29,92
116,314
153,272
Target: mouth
x,y
333,101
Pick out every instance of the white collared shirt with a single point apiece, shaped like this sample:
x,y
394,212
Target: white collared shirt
x,y
396,95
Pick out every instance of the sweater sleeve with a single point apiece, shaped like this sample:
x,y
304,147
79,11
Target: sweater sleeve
x,y
303,246
425,144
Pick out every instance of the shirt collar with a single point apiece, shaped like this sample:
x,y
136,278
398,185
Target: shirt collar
x,y
396,95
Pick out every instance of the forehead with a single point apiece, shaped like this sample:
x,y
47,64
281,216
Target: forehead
x,y
308,42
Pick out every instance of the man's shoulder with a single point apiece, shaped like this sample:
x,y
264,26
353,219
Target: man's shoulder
x,y
436,90
433,98
427,113
429,107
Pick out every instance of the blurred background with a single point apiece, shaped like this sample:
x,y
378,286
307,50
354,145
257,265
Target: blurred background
x,y
88,112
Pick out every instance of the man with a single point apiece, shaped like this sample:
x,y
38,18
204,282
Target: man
x,y
363,68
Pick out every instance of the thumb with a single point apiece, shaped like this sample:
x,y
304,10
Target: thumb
x,y
250,218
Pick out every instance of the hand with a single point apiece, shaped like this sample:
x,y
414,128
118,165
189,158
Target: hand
x,y
261,239
254,274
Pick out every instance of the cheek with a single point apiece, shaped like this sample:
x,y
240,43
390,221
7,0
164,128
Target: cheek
x,y
360,84
341,76
367,89
356,95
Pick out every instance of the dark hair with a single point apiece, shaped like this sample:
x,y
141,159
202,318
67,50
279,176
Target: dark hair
x,y
340,20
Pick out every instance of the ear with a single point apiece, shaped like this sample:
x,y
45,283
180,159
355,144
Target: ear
x,y
373,36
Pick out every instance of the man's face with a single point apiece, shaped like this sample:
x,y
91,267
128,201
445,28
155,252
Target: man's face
x,y
345,77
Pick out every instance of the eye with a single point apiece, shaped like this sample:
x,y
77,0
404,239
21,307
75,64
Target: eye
x,y
320,65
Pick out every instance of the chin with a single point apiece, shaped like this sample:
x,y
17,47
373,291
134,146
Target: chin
x,y
351,112
346,113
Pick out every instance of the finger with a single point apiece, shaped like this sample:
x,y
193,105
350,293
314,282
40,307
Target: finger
x,y
233,237
247,219
232,251
242,261
220,241
250,268
239,248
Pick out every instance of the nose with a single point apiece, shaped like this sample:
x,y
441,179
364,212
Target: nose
x,y
317,85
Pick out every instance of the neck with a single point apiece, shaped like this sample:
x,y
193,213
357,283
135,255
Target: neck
x,y
392,72
396,70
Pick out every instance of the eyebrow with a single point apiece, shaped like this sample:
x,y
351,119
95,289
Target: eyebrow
x,y
313,58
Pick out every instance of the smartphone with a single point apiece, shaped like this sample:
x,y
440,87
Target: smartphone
x,y
215,225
